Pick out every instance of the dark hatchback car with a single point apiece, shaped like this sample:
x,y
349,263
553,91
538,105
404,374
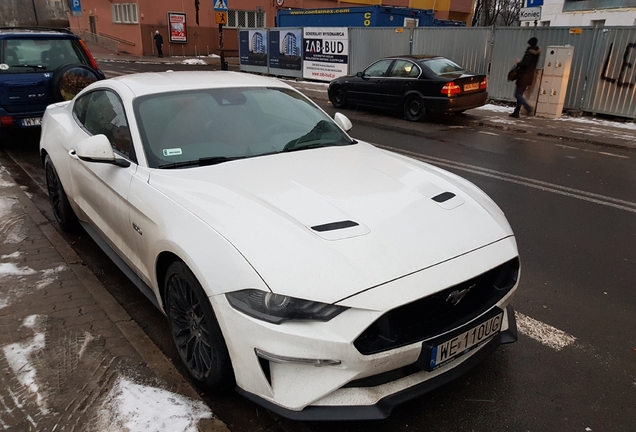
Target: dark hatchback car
x,y
412,84
38,67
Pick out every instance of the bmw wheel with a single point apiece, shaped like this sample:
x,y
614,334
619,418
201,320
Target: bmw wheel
x,y
62,210
414,108
338,96
195,330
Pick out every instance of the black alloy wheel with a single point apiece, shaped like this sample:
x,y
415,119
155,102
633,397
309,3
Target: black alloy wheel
x,y
195,330
338,97
62,210
414,108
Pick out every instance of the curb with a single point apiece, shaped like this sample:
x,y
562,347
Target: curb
x,y
147,350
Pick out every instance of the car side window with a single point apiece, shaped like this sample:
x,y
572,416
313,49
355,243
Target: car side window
x,y
378,69
79,108
405,69
104,114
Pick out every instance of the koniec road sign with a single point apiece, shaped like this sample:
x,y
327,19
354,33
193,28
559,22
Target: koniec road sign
x,y
530,14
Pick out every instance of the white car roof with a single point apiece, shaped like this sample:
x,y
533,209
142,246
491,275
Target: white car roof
x,y
162,82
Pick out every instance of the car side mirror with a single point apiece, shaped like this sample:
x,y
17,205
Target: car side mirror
x,y
97,148
343,121
361,75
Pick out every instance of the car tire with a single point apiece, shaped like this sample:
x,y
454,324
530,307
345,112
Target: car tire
x,y
62,209
338,97
195,330
70,79
414,109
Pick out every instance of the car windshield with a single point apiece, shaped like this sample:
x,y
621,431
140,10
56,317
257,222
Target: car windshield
x,y
444,66
204,127
28,55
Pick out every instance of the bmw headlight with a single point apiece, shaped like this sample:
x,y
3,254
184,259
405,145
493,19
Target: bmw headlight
x,y
276,308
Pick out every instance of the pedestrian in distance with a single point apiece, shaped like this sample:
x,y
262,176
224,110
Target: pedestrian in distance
x,y
525,75
159,43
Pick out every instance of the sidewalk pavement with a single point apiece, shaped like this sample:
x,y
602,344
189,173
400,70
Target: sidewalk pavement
x,y
609,133
70,356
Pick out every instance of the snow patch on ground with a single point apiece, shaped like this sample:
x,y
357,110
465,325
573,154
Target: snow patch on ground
x,y
495,108
19,356
10,269
599,122
49,276
134,407
193,62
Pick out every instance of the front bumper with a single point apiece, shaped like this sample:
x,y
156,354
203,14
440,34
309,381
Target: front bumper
x,y
311,370
412,386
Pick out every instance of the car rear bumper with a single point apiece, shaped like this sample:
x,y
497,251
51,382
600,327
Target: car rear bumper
x,y
454,104
18,119
419,383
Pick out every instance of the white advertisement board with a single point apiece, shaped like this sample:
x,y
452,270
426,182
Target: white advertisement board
x,y
325,52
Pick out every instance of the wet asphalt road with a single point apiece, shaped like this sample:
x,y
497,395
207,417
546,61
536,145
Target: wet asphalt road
x,y
574,214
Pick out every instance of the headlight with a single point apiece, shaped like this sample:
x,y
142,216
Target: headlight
x,y
276,308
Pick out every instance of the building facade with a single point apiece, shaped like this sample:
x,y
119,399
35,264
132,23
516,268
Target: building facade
x,y
130,25
583,13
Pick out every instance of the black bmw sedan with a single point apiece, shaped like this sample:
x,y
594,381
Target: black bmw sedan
x,y
412,84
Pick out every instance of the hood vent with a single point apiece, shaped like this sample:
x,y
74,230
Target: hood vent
x,y
334,226
443,197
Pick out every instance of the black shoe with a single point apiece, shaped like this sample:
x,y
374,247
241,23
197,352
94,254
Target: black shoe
x,y
515,115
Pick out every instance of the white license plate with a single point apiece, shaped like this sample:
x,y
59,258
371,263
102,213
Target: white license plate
x,y
464,342
472,86
35,121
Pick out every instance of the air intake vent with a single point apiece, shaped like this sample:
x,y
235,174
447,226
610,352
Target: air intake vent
x,y
443,197
334,226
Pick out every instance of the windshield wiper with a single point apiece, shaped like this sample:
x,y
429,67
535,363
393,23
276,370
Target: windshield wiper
x,y
28,66
200,162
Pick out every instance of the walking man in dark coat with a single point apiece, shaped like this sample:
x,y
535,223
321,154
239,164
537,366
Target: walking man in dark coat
x,y
159,42
525,75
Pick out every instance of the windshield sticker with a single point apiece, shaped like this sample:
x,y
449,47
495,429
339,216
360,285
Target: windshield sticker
x,y
4,66
172,152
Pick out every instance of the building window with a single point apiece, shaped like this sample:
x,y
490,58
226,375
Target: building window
x,y
597,23
249,19
125,13
545,23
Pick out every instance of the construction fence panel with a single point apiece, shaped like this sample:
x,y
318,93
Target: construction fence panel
x,y
366,45
612,73
510,44
468,46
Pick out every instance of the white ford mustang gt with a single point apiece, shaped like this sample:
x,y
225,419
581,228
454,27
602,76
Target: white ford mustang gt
x,y
327,278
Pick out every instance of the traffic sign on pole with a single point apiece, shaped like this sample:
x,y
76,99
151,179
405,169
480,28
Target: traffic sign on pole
x,y
76,7
220,5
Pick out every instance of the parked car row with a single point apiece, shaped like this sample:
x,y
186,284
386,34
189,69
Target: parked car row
x,y
323,277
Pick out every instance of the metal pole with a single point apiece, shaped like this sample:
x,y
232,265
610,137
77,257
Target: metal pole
x,y
35,13
223,63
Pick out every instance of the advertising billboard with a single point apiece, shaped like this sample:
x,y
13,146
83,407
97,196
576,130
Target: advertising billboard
x,y
325,52
253,47
286,49
177,30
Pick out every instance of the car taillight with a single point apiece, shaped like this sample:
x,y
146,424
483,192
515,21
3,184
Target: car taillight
x,y
483,85
90,56
6,120
451,89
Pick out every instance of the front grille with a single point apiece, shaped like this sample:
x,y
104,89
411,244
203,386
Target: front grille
x,y
436,314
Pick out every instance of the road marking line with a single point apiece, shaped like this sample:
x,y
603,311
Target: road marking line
x,y
524,181
614,155
543,333
488,133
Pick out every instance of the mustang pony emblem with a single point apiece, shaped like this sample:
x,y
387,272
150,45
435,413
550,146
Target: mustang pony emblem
x,y
456,296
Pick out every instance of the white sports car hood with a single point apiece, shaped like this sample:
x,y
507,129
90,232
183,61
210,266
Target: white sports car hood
x,y
324,224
